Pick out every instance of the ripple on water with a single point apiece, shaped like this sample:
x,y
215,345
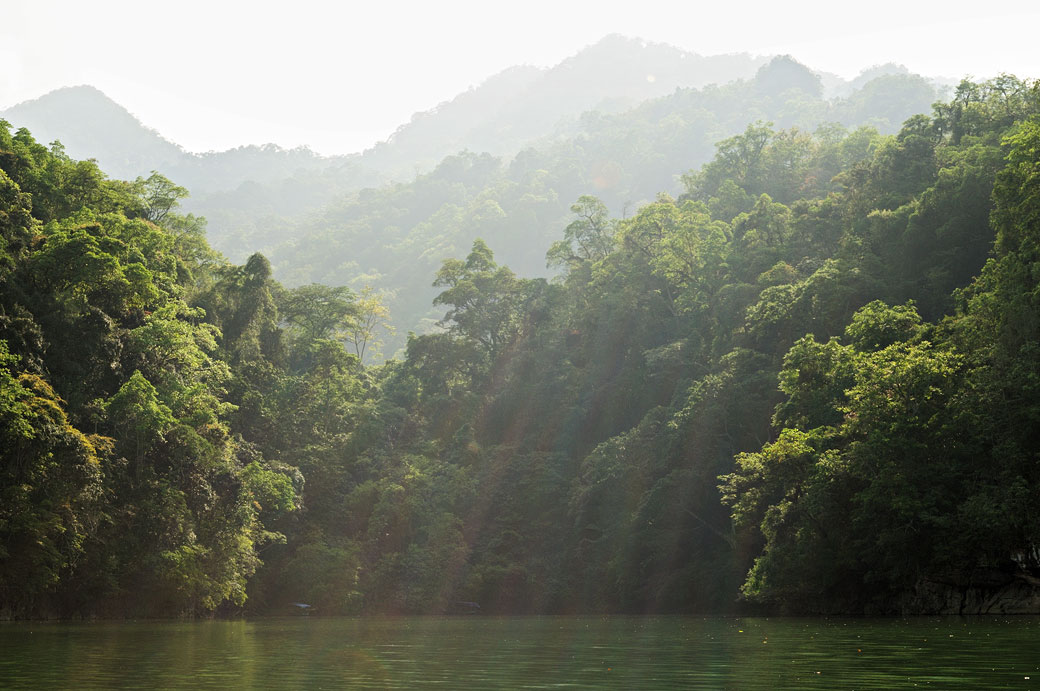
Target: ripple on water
x,y
525,652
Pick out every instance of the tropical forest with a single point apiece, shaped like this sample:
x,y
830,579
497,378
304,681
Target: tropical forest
x,y
768,343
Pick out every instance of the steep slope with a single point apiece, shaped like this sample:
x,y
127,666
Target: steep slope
x,y
394,238
91,125
521,104
504,113
621,119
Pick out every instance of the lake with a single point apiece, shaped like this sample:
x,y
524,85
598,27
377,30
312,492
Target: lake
x,y
473,652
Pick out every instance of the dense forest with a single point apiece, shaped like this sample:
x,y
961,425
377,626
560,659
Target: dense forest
x,y
503,161
808,382
393,237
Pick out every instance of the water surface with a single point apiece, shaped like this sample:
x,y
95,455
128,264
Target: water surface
x,y
473,652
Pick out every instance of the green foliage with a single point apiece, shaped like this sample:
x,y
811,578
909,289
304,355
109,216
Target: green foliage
x,y
785,328
138,415
906,437
315,311
157,516
484,299
587,239
159,196
325,577
876,326
520,197
50,487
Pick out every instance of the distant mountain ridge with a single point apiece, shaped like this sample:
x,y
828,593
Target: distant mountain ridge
x,y
394,238
501,115
522,104
249,188
89,124
621,119
505,113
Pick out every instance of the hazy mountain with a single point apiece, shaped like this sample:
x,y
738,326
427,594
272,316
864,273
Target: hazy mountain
x,y
254,192
499,116
621,119
395,237
91,125
502,115
521,104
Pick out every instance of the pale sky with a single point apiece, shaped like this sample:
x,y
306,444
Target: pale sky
x,y
339,76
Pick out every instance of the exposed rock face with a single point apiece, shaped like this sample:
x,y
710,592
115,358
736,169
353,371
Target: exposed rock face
x,y
984,591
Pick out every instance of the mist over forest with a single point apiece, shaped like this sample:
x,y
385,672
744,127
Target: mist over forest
x,y
644,331
504,161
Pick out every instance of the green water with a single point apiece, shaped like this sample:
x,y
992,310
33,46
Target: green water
x,y
472,652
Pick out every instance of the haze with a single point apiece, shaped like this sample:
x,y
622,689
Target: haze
x,y
211,76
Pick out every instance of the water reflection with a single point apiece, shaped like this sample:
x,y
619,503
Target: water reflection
x,y
526,652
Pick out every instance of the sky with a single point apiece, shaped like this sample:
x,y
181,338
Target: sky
x,y
340,76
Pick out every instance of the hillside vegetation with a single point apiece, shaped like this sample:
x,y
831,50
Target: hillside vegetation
x,y
621,119
393,237
807,381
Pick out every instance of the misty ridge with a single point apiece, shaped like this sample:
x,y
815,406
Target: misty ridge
x,y
508,111
504,161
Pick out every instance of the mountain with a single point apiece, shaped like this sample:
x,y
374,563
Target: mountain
x,y
89,124
504,113
501,116
92,125
395,237
254,190
522,104
621,119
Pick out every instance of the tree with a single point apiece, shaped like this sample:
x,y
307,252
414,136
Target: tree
x,y
139,417
159,196
849,501
50,488
483,299
741,158
315,311
240,303
370,316
589,238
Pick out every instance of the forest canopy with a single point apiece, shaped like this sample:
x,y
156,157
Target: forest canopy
x,y
808,382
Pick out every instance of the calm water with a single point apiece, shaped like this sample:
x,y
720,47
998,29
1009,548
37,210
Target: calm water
x,y
471,652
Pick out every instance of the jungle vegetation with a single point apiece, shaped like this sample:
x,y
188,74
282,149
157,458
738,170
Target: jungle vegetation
x,y
808,381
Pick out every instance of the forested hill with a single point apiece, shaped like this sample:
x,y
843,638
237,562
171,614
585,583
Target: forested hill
x,y
499,116
391,238
523,104
258,196
90,125
807,383
622,119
